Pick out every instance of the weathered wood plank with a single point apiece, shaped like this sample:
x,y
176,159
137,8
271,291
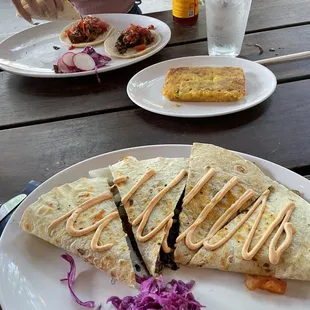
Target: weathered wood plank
x,y
24,100
264,15
277,130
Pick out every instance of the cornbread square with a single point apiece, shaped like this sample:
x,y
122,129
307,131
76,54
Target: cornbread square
x,y
204,84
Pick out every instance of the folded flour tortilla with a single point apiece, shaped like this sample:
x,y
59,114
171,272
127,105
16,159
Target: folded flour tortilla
x,y
294,261
58,202
227,165
166,169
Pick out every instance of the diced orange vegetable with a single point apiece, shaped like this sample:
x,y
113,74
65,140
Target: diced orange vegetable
x,y
140,48
271,284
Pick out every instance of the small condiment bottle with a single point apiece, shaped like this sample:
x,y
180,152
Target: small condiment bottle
x,y
185,12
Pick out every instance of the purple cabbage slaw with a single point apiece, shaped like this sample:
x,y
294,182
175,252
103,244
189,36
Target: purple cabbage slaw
x,y
156,294
100,60
70,281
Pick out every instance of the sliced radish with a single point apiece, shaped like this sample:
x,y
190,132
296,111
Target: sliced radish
x,y
67,59
84,62
62,67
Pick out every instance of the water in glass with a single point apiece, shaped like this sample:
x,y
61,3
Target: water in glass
x,y
226,23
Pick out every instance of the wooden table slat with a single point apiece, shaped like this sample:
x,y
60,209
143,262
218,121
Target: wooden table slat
x,y
264,15
25,100
275,130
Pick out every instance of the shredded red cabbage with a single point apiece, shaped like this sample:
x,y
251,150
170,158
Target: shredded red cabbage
x,y
100,60
156,294
70,280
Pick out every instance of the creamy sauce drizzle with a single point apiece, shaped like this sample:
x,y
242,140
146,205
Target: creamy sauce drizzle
x,y
283,218
98,226
187,234
120,179
143,218
231,233
194,191
140,182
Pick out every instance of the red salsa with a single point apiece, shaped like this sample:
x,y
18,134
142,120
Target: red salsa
x,y
87,30
134,36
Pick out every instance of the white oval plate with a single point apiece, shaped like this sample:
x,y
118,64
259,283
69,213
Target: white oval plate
x,y
145,88
31,52
31,268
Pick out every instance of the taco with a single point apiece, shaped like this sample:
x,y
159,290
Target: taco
x,y
132,42
69,12
82,218
88,30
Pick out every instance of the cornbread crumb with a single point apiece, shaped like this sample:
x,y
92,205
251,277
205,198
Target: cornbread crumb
x,y
176,105
204,84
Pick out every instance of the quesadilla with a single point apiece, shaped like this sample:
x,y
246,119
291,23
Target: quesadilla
x,y
217,180
85,31
150,190
132,42
271,241
82,218
69,12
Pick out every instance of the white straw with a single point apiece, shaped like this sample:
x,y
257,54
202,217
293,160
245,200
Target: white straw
x,y
284,58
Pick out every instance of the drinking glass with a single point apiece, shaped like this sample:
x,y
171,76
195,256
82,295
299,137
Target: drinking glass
x,y
226,23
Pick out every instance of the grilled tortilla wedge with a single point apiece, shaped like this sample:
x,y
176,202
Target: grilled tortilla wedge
x,y
294,261
49,219
161,172
226,165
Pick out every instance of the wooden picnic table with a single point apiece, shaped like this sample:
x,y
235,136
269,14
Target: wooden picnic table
x,y
48,125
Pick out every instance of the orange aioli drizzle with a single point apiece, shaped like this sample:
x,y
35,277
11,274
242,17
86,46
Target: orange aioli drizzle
x,y
274,255
143,218
214,246
120,179
165,245
282,217
90,202
187,234
194,191
224,219
140,182
98,226
94,241
83,207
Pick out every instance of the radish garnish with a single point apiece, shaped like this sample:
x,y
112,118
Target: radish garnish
x,y
62,67
84,62
67,59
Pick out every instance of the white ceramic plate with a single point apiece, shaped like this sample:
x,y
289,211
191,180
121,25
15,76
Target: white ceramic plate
x,y
31,52
31,268
145,88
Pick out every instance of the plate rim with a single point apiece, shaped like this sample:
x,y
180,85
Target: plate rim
x,y
131,61
25,203
195,115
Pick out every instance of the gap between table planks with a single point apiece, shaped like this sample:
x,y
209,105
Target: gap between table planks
x,y
28,100
281,125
